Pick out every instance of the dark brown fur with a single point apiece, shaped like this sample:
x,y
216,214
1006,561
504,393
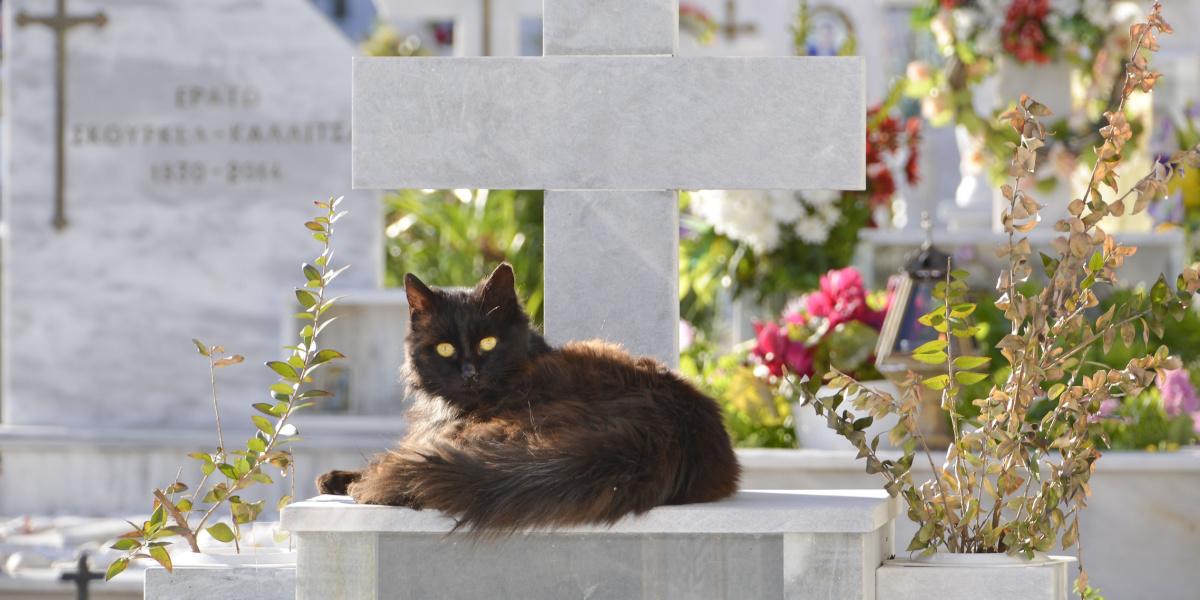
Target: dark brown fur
x,y
527,435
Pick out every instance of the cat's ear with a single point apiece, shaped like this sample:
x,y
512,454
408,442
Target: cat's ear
x,y
420,297
499,289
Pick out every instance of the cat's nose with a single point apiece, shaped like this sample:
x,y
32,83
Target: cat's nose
x,y
468,372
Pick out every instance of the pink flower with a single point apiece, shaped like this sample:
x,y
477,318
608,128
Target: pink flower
x,y
1196,422
1178,394
771,346
776,351
1107,408
798,359
842,298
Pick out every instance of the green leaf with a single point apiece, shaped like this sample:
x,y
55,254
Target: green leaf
x,y
124,544
1056,390
311,273
969,378
315,226
264,408
221,532
1096,262
256,445
261,478
1158,293
971,362
930,347
306,298
159,554
228,470
937,382
327,355
263,424
201,347
200,456
157,519
283,388
115,568
931,358
284,501
283,369
184,505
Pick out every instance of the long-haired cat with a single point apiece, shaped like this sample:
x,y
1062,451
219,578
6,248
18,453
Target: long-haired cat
x,y
508,432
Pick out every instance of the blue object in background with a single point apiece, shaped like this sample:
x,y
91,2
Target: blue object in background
x,y
355,18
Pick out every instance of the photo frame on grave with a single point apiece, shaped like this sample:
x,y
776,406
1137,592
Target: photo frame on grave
x,y
826,30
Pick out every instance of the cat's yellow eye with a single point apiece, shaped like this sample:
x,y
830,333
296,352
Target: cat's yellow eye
x,y
445,350
487,343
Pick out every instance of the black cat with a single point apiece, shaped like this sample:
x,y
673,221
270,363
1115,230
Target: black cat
x,y
508,432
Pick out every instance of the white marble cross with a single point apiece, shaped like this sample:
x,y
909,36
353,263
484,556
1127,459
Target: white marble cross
x,y
609,121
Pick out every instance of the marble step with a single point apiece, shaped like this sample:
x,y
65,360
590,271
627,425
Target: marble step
x,y
758,544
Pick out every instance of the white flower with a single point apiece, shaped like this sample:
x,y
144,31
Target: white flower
x,y
812,230
741,215
1097,12
829,213
965,22
821,197
783,207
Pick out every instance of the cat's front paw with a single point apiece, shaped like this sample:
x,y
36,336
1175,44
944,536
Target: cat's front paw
x,y
337,483
363,493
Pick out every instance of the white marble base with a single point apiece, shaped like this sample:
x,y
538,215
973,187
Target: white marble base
x,y
276,582
1041,579
756,545
119,467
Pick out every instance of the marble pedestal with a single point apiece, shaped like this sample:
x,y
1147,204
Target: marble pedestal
x,y
784,544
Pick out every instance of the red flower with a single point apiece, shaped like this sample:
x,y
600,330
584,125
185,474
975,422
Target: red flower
x,y
1024,31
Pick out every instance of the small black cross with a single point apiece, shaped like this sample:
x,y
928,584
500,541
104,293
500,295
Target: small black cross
x,y
731,27
83,577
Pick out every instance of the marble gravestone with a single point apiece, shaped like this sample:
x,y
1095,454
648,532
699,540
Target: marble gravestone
x,y
195,138
610,121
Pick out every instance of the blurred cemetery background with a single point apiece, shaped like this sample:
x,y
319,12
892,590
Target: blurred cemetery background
x,y
157,157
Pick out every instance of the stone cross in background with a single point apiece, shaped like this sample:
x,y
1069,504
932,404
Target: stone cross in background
x,y
608,121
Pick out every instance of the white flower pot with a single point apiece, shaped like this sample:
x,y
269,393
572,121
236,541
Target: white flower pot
x,y
949,576
260,573
813,432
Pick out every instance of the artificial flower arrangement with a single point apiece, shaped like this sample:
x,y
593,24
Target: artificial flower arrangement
x,y
752,241
973,36
1016,477
835,326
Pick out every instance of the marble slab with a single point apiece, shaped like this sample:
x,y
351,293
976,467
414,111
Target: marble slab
x,y
612,269
197,136
609,122
784,544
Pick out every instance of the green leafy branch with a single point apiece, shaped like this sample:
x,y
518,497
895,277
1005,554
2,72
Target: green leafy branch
x,y
269,446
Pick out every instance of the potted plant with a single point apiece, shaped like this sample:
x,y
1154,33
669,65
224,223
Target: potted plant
x,y
1015,478
225,547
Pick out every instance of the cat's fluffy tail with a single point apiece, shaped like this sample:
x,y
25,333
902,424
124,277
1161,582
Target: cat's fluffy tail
x,y
500,488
